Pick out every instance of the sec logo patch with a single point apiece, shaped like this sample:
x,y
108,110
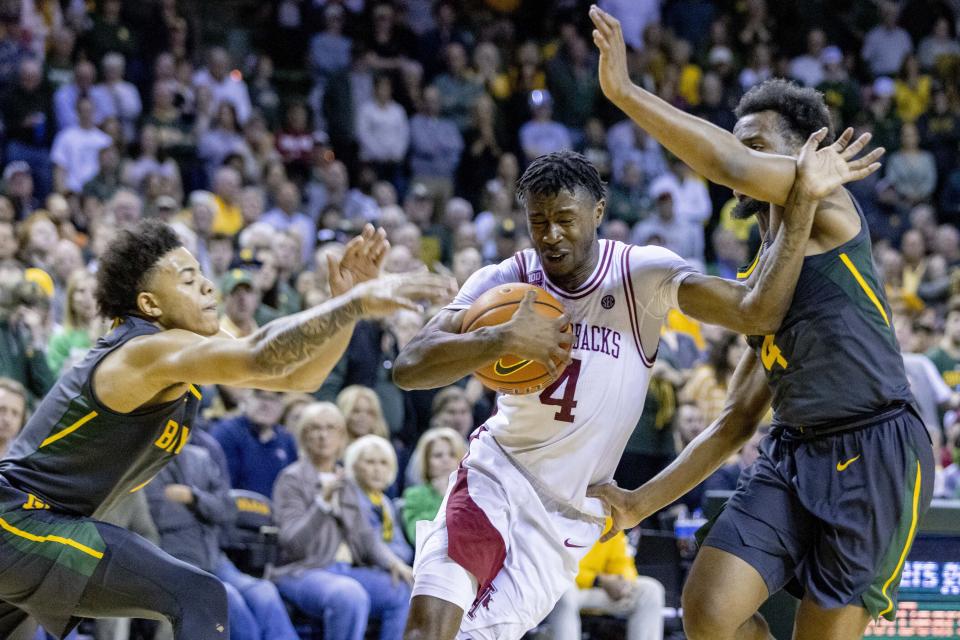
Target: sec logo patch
x,y
607,301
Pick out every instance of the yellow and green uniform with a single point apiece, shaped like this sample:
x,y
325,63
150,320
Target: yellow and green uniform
x,y
833,502
73,460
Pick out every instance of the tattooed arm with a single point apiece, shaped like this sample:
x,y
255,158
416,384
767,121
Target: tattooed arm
x,y
146,368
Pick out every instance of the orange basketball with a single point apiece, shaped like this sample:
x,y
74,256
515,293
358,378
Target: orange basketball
x,y
510,374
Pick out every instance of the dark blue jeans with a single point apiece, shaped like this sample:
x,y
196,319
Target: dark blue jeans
x,y
256,609
344,597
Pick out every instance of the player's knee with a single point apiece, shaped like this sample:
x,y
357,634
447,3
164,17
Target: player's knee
x,y
703,613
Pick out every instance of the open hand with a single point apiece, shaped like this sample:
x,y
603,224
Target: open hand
x,y
608,36
361,260
382,296
821,171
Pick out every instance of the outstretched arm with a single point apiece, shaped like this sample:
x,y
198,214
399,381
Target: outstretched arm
x,y
757,307
150,364
747,402
707,149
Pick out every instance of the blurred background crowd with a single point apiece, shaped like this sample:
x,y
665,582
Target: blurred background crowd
x,y
268,133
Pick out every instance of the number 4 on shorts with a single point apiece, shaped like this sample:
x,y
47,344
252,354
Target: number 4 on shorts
x,y
566,403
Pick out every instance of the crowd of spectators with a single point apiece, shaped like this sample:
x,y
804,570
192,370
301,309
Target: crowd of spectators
x,y
270,140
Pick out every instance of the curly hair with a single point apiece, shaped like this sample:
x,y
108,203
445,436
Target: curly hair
x,y
802,110
555,172
127,263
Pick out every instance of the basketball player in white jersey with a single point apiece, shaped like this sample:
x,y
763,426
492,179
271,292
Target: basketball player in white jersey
x,y
515,522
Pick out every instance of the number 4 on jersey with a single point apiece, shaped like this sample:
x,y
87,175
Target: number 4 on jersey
x,y
770,354
566,403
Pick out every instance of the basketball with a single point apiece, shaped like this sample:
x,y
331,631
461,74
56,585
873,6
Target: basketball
x,y
510,374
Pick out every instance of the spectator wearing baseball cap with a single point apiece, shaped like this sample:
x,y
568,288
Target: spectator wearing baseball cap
x,y
240,302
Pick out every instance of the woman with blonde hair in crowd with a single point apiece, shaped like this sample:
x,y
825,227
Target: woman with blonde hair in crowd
x,y
333,565
436,457
82,324
364,415
371,463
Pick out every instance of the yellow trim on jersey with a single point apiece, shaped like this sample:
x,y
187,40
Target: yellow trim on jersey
x,y
906,546
142,485
76,425
196,392
866,287
743,275
58,539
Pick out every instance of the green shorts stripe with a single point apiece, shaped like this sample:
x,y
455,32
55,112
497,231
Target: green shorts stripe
x,y
74,544
880,599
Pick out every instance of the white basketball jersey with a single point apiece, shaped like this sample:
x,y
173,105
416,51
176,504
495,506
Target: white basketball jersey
x,y
572,434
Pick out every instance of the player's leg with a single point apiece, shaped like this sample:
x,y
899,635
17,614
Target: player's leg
x,y
135,579
816,623
751,550
431,618
721,598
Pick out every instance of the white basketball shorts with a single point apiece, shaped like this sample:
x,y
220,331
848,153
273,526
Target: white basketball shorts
x,y
500,549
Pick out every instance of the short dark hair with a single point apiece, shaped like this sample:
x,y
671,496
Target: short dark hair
x,y
802,110
127,263
555,172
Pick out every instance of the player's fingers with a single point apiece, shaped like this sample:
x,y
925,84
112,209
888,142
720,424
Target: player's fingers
x,y
551,368
863,173
867,160
368,231
560,356
599,18
816,137
599,491
600,41
843,139
609,534
607,18
563,321
354,243
405,303
526,303
856,146
332,265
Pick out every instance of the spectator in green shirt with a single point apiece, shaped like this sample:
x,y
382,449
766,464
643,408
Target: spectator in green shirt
x,y
436,457
82,324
